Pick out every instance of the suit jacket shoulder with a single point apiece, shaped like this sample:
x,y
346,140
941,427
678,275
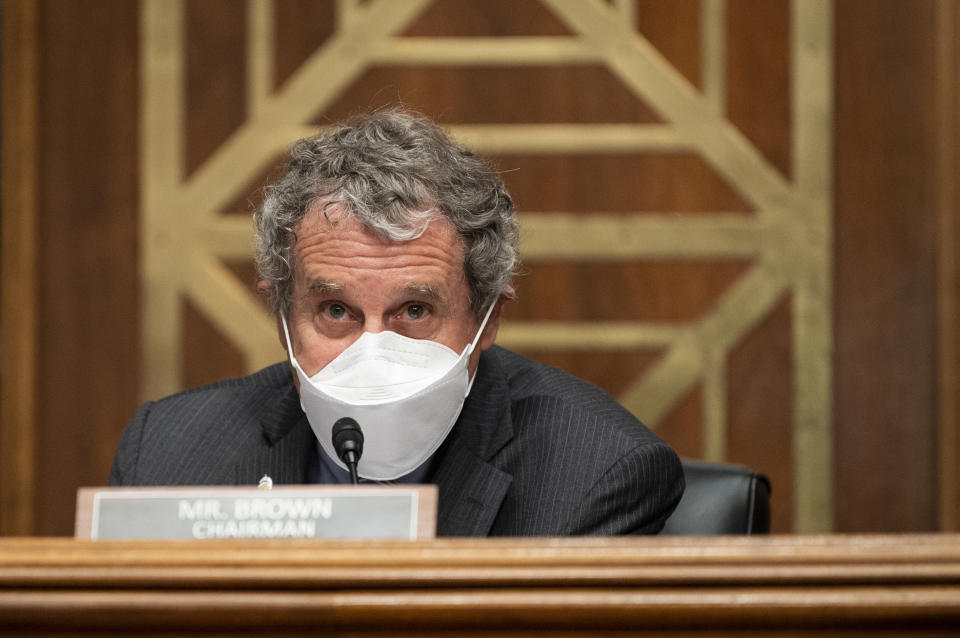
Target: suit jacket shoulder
x,y
209,435
566,457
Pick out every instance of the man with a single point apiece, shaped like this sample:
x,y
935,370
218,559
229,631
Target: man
x,y
386,252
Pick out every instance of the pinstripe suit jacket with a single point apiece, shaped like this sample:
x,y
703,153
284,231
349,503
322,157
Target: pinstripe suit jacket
x,y
534,452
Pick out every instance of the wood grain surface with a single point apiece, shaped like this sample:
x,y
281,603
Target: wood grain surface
x,y
812,585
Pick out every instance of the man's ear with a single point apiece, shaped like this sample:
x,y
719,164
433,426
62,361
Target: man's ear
x,y
265,288
490,331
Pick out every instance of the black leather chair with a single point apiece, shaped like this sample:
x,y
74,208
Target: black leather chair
x,y
721,498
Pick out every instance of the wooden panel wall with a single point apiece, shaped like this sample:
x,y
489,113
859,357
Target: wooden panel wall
x,y
886,251
111,163
948,186
19,264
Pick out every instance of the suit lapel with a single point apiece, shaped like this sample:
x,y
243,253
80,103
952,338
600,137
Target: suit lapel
x,y
470,493
283,451
471,489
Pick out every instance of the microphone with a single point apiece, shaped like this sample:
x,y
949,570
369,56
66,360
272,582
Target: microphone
x,y
348,442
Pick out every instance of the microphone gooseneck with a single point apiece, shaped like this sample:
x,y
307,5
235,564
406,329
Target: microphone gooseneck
x,y
348,443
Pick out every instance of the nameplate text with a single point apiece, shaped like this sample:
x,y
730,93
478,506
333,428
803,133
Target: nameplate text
x,y
206,513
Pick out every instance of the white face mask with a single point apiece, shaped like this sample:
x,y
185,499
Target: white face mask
x,y
405,393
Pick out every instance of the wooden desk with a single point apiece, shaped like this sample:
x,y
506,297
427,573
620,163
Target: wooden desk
x,y
783,586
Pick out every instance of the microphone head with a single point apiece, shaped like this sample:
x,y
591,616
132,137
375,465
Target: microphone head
x,y
347,437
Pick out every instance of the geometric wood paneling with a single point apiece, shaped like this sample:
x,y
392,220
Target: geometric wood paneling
x,y
760,395
583,84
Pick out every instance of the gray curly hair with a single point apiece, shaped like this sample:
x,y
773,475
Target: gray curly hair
x,y
394,172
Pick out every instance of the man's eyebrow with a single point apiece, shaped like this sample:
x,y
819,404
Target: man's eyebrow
x,y
430,291
323,287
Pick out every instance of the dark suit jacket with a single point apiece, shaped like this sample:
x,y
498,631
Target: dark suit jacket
x,y
534,452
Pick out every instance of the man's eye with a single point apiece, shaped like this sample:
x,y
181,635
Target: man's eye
x,y
336,311
416,311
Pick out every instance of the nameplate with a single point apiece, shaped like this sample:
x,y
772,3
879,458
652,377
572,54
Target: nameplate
x,y
207,513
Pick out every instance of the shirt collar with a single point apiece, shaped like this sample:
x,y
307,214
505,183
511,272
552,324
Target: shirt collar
x,y
323,470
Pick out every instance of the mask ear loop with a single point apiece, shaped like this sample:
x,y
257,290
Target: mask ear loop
x,y
469,349
286,335
483,324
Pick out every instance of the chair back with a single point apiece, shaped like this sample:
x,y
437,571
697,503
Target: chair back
x,y
721,498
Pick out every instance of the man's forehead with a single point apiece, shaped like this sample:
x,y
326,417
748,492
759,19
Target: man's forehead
x,y
325,216
336,254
